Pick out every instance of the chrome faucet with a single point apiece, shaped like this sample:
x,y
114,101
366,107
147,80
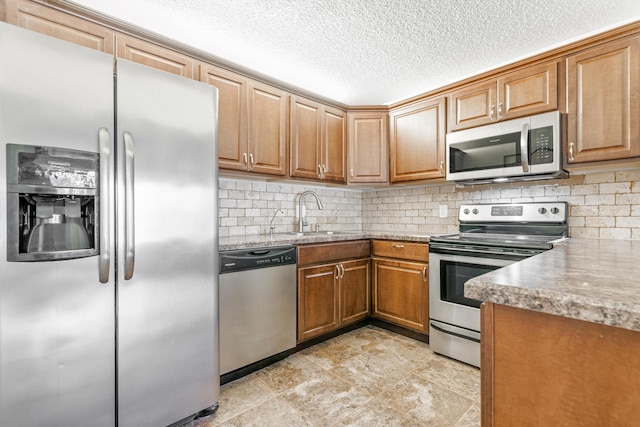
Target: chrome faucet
x,y
301,222
271,227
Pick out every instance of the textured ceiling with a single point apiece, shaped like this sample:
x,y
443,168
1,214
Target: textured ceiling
x,y
363,52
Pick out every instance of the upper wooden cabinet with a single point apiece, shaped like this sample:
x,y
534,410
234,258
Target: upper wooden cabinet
x,y
152,55
45,20
318,141
417,141
604,102
252,122
368,147
520,93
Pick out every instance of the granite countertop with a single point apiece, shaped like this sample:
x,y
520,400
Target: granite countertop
x,y
593,280
278,239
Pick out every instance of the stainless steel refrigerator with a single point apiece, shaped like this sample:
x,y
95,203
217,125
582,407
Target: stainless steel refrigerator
x,y
108,225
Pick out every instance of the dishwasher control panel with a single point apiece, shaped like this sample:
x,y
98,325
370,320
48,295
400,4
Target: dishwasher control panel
x,y
249,259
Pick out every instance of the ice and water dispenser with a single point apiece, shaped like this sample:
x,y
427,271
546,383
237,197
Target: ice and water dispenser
x,y
52,202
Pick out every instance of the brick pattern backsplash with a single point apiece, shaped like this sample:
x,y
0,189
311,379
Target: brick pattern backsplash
x,y
601,205
247,206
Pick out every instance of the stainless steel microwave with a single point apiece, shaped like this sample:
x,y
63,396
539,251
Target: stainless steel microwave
x,y
514,150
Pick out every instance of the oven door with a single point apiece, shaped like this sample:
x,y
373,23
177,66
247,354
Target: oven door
x,y
447,276
454,320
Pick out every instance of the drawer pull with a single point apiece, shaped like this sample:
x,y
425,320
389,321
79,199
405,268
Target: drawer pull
x,y
396,246
424,274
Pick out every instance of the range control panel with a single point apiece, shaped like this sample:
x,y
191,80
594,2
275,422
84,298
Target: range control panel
x,y
555,212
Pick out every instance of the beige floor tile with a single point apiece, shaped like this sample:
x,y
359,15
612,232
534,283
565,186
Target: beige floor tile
x,y
368,377
378,368
288,373
373,416
272,413
456,376
238,396
325,399
335,351
471,418
425,402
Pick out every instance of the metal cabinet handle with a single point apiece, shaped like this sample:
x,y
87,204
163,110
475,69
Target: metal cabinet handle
x,y
337,271
524,147
571,158
441,167
244,160
129,207
352,173
319,171
492,113
104,260
342,268
424,274
397,246
500,111
251,162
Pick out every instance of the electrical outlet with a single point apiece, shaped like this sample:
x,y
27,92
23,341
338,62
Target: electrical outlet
x,y
444,211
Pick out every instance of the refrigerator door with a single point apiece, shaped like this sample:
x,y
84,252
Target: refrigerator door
x,y
167,247
57,354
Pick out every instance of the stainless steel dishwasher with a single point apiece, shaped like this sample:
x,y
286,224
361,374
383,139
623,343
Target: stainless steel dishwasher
x,y
257,305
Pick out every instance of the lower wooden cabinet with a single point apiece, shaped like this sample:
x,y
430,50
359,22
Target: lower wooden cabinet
x,y
401,284
540,369
331,292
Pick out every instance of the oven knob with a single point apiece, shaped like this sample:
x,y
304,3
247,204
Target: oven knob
x,y
466,211
542,211
555,211
475,211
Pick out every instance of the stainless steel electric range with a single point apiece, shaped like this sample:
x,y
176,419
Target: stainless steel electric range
x,y
491,236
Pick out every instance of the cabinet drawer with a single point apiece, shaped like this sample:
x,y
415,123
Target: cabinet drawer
x,y
400,249
329,252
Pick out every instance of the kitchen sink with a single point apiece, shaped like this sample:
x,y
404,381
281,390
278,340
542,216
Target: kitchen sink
x,y
314,233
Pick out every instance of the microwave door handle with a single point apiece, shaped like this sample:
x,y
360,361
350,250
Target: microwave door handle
x,y
524,147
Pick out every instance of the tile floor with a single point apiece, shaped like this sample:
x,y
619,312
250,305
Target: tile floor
x,y
367,377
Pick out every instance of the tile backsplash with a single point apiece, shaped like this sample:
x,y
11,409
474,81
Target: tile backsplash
x,y
601,205
247,207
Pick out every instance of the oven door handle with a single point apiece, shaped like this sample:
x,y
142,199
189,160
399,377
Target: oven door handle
x,y
444,331
453,250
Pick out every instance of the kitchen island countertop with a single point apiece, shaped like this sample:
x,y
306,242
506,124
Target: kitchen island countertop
x,y
277,239
592,280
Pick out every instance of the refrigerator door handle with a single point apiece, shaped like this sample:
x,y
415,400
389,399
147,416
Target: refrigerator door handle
x,y
129,254
104,259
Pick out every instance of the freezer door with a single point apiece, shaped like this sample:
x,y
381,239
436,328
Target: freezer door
x,y
167,247
57,354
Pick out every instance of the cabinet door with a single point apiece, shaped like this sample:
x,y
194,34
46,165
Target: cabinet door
x,y
533,90
232,116
603,102
317,300
151,55
334,145
306,118
417,145
45,20
267,127
401,293
354,290
473,105
368,147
